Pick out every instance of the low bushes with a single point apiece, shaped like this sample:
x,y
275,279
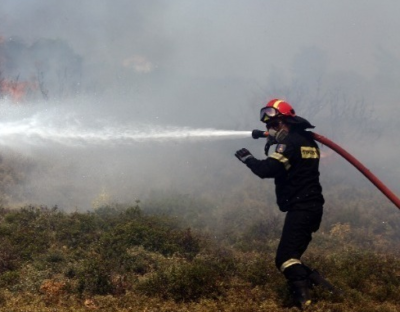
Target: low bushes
x,y
122,252
88,249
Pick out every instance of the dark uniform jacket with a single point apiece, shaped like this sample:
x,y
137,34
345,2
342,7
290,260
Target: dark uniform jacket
x,y
294,166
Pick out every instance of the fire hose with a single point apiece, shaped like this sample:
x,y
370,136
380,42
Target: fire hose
x,y
351,159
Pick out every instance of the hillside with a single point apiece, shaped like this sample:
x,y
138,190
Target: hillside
x,y
119,258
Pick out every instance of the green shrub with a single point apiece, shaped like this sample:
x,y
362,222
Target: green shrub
x,y
27,231
154,234
79,230
94,277
185,282
257,269
9,279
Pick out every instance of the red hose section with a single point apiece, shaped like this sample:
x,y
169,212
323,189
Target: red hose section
x,y
378,183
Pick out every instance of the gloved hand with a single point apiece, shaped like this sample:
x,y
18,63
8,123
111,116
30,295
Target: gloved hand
x,y
243,154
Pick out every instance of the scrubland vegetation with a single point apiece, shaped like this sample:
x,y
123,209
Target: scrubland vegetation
x,y
181,252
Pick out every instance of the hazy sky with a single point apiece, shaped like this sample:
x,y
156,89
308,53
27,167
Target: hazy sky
x,y
238,41
212,63
213,38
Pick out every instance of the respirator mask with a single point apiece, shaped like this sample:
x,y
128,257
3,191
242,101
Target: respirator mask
x,y
276,134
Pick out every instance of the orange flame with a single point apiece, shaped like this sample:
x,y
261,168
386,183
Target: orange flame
x,y
327,156
16,90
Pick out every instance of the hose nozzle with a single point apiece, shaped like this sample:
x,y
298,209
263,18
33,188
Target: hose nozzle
x,y
256,134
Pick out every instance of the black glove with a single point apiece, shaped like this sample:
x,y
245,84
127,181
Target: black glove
x,y
243,154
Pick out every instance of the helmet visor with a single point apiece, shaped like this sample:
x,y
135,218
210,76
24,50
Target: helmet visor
x,y
268,112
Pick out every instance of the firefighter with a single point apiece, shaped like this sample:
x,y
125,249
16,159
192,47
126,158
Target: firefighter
x,y
294,167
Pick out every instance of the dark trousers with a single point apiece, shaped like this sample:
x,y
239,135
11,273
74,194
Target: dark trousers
x,y
296,235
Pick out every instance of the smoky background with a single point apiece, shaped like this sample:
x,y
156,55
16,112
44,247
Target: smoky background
x,y
198,65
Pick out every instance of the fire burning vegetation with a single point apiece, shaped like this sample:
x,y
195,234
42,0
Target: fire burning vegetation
x,y
47,68
17,91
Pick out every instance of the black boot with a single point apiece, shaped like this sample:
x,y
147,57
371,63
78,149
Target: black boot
x,y
300,292
317,279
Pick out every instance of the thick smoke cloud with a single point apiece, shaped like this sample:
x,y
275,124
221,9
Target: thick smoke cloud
x,y
208,64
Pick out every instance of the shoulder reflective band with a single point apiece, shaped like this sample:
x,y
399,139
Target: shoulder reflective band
x,y
282,159
309,152
368,174
289,263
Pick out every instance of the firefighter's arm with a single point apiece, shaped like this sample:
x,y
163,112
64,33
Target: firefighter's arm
x,y
271,167
266,168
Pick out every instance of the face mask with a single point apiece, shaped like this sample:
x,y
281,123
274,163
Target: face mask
x,y
277,135
280,135
272,133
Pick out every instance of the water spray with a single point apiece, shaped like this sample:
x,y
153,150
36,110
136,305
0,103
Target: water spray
x,y
256,134
72,132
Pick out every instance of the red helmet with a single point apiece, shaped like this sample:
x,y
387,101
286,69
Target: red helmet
x,y
276,108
